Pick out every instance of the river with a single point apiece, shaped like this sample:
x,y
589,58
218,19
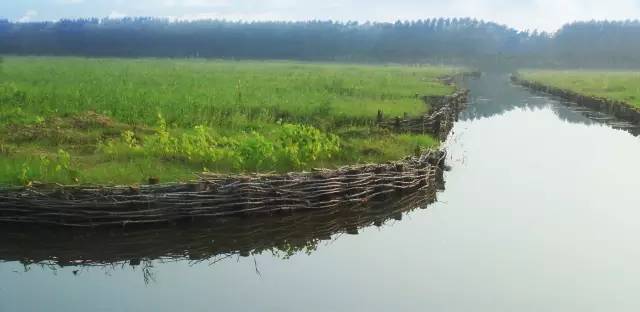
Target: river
x,y
540,213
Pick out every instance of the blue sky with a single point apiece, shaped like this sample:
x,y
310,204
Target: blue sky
x,y
546,15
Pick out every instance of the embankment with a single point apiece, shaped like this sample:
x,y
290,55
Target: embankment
x,y
241,195
622,110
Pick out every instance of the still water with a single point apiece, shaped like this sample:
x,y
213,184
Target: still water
x,y
540,213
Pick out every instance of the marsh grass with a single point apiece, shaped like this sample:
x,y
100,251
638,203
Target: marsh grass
x,y
116,121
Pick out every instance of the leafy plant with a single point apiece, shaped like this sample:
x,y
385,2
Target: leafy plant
x,y
256,152
299,144
129,137
286,146
56,167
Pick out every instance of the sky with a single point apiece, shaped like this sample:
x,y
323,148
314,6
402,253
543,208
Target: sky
x,y
544,15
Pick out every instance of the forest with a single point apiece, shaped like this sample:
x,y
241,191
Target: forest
x,y
465,41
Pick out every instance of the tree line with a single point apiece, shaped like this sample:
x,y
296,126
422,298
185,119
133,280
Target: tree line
x,y
459,40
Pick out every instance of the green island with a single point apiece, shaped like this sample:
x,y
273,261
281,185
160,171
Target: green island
x,y
115,121
621,86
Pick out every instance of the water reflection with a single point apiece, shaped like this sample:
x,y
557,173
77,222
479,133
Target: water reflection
x,y
500,96
204,241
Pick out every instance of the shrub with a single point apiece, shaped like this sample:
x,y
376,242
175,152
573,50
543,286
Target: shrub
x,y
299,145
52,168
288,146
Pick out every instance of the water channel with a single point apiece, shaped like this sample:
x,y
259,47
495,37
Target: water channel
x,y
540,213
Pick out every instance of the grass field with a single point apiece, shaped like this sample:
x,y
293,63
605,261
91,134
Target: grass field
x,y
621,86
116,121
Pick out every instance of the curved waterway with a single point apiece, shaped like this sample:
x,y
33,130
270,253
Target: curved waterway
x,y
540,213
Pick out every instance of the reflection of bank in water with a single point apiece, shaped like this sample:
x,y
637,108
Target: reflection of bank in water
x,y
283,235
500,95
616,114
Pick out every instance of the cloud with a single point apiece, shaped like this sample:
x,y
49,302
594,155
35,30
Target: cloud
x,y
28,16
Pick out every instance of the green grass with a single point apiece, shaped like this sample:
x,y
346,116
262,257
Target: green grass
x,y
621,86
121,121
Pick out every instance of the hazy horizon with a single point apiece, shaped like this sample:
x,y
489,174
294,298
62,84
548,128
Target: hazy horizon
x,y
543,15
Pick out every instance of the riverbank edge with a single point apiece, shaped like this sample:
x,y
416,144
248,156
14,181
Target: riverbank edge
x,y
619,109
218,195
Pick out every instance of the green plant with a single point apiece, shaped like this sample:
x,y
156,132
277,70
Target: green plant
x,y
256,152
129,137
300,144
58,168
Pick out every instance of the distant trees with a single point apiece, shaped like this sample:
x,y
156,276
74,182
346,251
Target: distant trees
x,y
459,40
599,43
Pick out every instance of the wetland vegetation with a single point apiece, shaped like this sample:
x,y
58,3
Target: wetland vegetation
x,y
123,121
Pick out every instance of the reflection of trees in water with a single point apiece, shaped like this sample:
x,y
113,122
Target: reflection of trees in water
x,y
207,241
493,94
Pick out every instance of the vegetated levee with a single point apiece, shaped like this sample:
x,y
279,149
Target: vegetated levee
x,y
122,121
216,195
224,194
620,109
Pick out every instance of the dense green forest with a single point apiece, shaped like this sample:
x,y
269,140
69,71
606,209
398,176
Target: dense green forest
x,y
461,41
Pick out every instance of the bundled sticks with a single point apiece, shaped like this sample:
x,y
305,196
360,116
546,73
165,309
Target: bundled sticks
x,y
438,121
